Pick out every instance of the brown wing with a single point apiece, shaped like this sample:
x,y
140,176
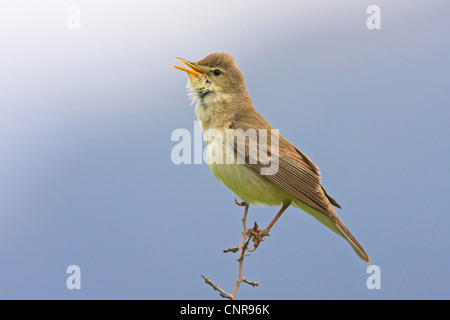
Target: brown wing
x,y
299,177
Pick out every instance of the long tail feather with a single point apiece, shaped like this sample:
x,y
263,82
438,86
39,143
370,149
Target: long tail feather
x,y
337,226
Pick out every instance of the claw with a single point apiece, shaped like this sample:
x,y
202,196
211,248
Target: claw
x,y
257,236
255,246
240,204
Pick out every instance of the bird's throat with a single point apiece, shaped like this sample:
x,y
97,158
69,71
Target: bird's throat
x,y
202,94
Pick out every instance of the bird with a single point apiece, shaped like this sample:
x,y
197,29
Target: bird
x,y
222,105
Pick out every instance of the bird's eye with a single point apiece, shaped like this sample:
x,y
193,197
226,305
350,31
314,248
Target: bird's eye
x,y
217,72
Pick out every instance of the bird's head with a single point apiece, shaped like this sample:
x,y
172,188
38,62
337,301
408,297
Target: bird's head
x,y
215,79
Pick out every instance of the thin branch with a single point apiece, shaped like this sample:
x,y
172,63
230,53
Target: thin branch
x,y
252,283
233,250
242,248
216,287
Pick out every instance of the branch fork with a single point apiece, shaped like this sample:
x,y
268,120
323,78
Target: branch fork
x,y
253,234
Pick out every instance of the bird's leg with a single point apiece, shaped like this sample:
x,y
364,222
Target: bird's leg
x,y
258,235
285,206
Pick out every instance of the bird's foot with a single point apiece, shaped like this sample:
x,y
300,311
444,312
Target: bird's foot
x,y
257,236
240,204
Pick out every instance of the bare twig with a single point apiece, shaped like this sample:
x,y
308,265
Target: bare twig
x,y
233,250
242,248
215,287
252,283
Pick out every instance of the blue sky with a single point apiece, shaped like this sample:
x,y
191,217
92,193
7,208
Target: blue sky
x,y
86,176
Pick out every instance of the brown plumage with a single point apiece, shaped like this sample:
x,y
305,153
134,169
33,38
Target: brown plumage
x,y
299,177
223,104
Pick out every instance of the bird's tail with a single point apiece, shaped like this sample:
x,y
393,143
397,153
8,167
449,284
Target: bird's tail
x,y
353,242
336,225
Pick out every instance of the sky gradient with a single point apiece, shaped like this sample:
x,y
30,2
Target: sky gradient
x,y
86,177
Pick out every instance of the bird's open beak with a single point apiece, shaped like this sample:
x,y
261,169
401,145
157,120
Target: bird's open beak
x,y
195,71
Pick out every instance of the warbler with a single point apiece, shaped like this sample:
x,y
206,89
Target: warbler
x,y
217,87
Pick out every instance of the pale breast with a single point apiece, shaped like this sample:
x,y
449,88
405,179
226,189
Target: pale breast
x,y
248,185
